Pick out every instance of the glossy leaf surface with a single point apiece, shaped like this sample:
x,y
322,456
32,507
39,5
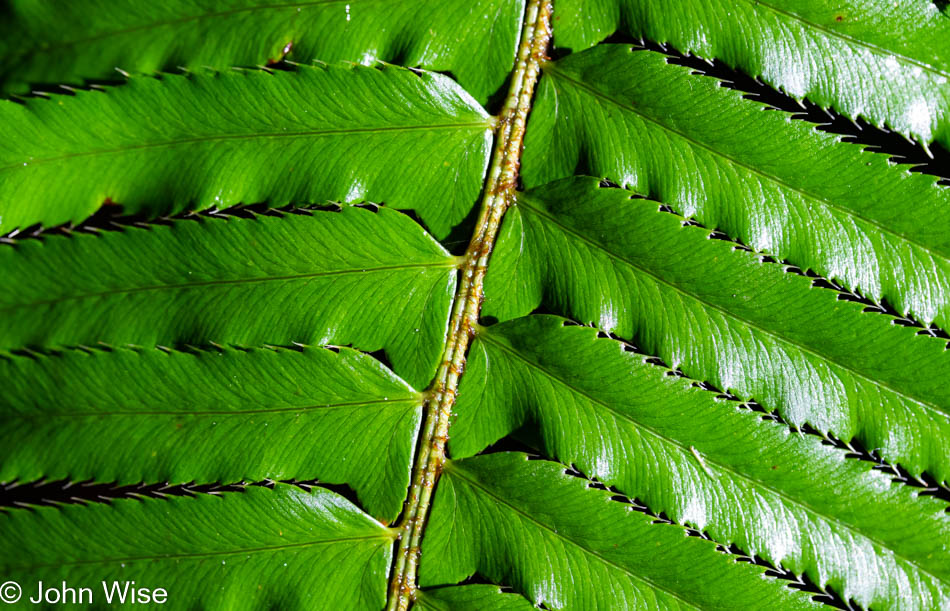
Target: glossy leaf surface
x,y
776,184
282,548
163,145
301,339
529,524
724,317
213,416
886,61
248,282
471,598
46,42
706,462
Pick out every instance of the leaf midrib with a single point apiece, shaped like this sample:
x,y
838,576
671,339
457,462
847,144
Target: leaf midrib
x,y
458,472
551,68
268,135
921,402
410,401
206,283
711,461
158,557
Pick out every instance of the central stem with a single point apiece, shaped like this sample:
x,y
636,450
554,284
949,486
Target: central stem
x,y
499,188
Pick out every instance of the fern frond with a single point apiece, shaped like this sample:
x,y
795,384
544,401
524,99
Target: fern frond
x,y
375,280
705,462
211,416
723,316
282,548
529,524
42,42
190,142
885,61
776,184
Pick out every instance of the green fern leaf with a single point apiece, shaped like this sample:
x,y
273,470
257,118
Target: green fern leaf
x,y
159,146
222,416
886,61
88,39
600,257
619,397
714,466
239,281
471,598
631,117
281,548
527,523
